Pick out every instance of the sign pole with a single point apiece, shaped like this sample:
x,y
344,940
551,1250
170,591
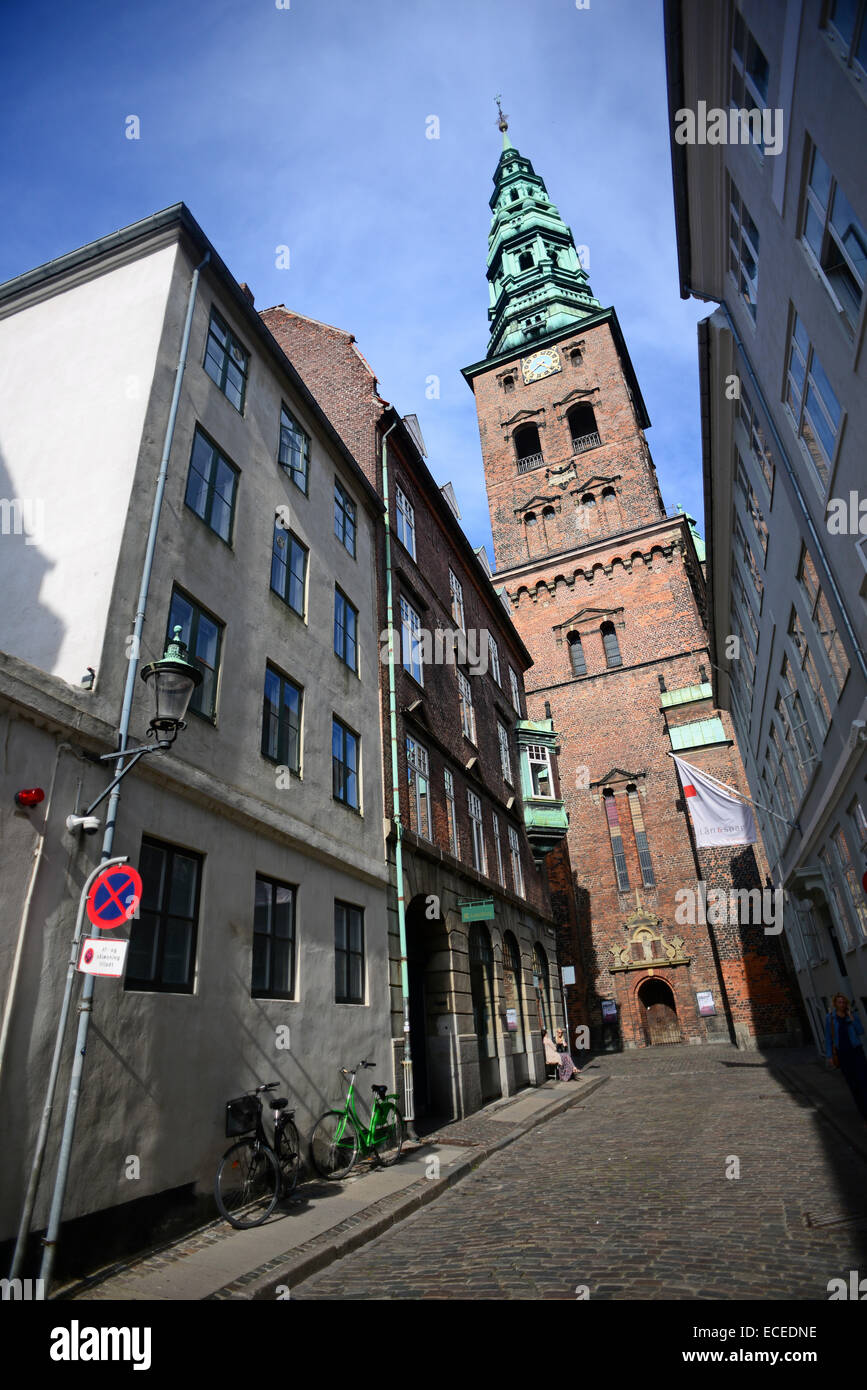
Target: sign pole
x,y
42,1138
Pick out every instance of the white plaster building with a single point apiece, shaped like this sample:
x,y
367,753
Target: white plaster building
x,y
779,239
260,833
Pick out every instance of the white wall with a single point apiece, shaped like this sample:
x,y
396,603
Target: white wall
x,y
75,376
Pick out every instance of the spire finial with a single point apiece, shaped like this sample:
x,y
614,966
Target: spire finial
x,y
502,122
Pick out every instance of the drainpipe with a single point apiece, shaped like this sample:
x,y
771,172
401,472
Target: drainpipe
x,y
408,1097
85,1007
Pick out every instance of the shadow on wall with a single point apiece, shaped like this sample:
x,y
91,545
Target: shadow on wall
x,y
28,629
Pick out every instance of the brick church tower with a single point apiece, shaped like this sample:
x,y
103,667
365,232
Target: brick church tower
x,y
608,593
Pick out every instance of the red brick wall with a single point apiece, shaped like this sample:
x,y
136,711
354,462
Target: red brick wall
x,y
623,456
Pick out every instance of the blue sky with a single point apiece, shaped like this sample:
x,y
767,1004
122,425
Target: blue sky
x,y
306,127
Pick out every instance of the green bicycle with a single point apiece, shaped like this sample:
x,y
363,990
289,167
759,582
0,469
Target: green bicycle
x,y
339,1135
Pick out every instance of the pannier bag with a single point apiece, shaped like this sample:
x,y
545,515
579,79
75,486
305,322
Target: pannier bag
x,y
242,1115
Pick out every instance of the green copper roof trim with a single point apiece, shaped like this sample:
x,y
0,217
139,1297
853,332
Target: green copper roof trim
x,y
699,543
686,694
697,735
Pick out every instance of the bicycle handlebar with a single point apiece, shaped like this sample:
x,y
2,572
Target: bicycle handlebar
x,y
350,1071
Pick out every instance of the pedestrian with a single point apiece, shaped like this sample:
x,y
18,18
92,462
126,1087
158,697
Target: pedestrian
x,y
552,1056
567,1068
843,1033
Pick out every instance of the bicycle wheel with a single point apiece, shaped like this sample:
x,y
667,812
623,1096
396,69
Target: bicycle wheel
x,y
333,1144
288,1157
247,1184
388,1136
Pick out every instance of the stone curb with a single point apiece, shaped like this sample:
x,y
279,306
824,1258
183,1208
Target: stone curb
x,y
856,1141
292,1268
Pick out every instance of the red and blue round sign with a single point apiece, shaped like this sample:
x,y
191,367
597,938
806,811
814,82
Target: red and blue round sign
x,y
114,897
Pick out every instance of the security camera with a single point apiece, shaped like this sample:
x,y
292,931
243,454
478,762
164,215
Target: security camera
x,y
89,824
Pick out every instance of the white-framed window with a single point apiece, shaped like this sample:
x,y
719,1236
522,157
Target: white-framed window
x,y
516,693
457,594
410,631
515,856
851,886
468,714
418,777
539,764
494,658
838,903
749,73
480,858
814,409
743,249
836,238
505,755
454,839
405,520
499,850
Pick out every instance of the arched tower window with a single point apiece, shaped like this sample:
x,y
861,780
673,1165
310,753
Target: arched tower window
x,y
514,195
611,645
576,357
528,449
525,260
576,655
508,383
588,500
611,504
582,428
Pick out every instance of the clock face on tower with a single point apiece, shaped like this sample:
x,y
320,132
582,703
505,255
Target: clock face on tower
x,y
539,364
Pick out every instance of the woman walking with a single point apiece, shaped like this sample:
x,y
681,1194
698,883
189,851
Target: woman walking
x,y
843,1033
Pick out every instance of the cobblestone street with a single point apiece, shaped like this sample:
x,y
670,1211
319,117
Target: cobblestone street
x,y
627,1194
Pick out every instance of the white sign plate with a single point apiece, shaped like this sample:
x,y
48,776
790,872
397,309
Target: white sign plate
x,y
102,956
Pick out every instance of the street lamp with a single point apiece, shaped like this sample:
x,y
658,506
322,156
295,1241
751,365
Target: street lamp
x,y
172,680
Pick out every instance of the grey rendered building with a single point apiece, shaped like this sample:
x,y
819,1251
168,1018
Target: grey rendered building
x,y
771,224
261,950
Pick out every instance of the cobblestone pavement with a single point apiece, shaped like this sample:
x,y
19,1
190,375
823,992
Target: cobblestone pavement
x,y
627,1195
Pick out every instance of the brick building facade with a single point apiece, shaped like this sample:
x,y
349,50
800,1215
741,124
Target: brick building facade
x,y
608,592
470,829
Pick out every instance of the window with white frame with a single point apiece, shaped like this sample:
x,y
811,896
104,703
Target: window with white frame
x,y
505,755
749,73
847,22
410,631
516,693
418,776
405,520
515,856
838,899
480,858
743,250
451,809
499,850
468,714
494,658
835,237
539,764
851,885
814,409
457,594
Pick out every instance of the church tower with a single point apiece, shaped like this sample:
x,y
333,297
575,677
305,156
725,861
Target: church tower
x,y
607,589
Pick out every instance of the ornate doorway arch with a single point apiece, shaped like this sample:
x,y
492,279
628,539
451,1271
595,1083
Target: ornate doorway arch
x,y
658,1012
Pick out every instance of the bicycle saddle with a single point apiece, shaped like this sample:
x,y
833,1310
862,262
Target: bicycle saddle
x,y
278,1102
380,1091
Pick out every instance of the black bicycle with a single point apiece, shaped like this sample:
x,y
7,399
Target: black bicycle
x,y
253,1173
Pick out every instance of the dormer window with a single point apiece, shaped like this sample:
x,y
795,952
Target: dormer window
x,y
508,384
576,357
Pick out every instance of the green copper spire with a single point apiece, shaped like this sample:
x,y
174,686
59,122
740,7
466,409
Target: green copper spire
x,y
537,282
699,543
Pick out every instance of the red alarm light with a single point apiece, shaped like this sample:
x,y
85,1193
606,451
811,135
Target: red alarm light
x,y
30,797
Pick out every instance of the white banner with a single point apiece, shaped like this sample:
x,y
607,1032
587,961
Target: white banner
x,y
719,817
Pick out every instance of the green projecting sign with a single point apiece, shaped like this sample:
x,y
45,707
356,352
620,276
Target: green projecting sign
x,y
482,911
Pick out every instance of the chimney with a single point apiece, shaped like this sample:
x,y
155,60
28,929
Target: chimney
x,y
245,289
